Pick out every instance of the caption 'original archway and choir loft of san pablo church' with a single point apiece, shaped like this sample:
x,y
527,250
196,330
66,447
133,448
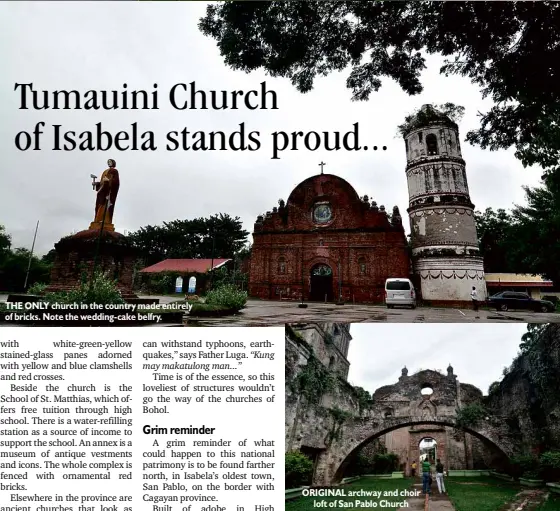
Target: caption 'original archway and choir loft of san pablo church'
x,y
328,243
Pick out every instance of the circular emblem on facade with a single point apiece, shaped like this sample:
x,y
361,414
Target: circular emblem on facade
x,y
322,213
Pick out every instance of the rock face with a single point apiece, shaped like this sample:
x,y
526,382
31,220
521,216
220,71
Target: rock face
x,y
75,258
327,243
445,249
331,423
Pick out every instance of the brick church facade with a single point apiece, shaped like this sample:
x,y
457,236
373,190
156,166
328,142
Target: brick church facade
x,y
327,243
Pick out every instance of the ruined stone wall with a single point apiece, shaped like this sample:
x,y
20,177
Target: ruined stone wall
x,y
313,425
330,342
455,448
518,399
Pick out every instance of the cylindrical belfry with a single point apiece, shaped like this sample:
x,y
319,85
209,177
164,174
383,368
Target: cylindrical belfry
x,y
445,249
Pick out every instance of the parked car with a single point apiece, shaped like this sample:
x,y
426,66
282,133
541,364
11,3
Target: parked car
x,y
507,300
399,292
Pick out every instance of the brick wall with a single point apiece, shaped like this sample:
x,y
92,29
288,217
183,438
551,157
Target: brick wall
x,y
359,243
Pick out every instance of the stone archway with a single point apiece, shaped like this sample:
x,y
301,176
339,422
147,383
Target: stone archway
x,y
358,432
321,283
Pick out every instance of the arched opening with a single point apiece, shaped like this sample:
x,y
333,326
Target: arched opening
x,y
427,448
362,268
281,266
321,283
499,456
192,285
426,390
431,145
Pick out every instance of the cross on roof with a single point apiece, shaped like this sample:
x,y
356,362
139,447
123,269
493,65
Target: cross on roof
x,y
322,165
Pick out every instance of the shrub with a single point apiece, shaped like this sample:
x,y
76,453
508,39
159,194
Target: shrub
x,y
227,296
37,289
204,309
378,463
298,469
550,463
101,290
524,465
161,283
470,415
551,459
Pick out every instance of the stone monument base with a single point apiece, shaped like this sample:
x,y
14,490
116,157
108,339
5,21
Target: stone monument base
x,y
75,257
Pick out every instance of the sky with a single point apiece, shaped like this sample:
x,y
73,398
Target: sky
x,y
102,45
477,352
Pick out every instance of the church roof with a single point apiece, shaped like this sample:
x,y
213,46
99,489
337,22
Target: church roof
x,y
315,182
185,265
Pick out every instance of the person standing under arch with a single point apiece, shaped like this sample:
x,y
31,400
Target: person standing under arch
x,y
439,476
426,476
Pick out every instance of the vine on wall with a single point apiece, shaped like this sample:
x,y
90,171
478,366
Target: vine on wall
x,y
313,381
339,418
470,415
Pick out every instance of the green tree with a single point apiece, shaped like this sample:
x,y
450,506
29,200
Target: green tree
x,y
5,241
536,230
221,236
511,50
13,268
299,469
494,229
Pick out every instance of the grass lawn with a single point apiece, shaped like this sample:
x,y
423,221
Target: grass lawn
x,y
367,484
553,504
480,493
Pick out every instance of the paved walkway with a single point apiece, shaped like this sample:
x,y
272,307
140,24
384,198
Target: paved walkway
x,y
527,500
266,313
435,502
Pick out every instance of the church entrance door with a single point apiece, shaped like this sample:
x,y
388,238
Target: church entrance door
x,y
321,283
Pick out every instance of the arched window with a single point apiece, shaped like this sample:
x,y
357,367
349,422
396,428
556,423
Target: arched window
x,y
192,285
281,266
431,144
331,362
362,265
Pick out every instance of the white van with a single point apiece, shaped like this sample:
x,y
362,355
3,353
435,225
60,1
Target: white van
x,y
399,292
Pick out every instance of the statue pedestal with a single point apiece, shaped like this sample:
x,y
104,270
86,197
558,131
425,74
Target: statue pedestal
x,y
75,257
96,226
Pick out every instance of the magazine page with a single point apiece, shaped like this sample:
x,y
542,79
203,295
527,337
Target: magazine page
x,y
137,418
192,192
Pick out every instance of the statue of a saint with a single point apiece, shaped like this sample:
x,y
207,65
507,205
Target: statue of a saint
x,y
107,189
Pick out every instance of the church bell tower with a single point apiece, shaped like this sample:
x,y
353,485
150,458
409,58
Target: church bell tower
x,y
445,249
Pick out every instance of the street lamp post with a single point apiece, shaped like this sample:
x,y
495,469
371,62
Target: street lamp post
x,y
340,302
302,305
30,257
212,254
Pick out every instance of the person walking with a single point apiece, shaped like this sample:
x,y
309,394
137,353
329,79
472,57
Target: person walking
x,y
439,477
474,297
426,474
413,469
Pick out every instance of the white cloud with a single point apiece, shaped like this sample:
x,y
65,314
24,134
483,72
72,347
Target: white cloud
x,y
478,353
101,45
